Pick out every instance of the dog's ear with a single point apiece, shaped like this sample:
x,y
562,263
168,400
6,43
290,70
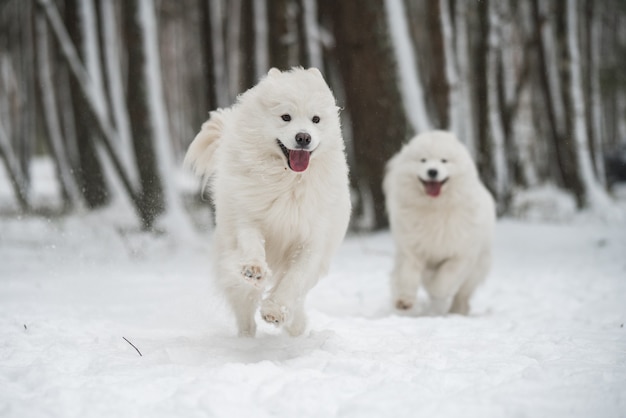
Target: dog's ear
x,y
273,72
316,72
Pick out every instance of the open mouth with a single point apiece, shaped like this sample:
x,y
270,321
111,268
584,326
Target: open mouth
x,y
433,188
297,160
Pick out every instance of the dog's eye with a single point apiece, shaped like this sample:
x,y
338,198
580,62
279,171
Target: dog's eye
x,y
423,160
286,117
443,160
316,119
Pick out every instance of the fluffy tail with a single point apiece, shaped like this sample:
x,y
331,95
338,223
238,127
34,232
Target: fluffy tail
x,y
201,152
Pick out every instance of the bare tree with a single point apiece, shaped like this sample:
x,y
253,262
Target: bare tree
x,y
379,124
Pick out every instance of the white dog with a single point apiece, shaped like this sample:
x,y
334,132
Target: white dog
x,y
442,220
280,187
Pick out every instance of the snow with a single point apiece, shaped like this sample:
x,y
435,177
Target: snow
x,y
545,202
546,335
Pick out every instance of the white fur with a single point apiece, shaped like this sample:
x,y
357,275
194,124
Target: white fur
x,y
443,242
276,229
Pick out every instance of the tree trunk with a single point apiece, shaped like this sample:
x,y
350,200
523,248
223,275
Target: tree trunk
x,y
497,146
151,203
116,87
261,41
453,116
595,109
208,53
16,176
403,53
367,65
311,39
282,45
109,135
566,145
166,200
437,82
233,48
466,124
222,96
89,169
550,99
593,194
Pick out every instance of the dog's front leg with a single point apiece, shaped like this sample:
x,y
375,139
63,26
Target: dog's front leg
x,y
445,283
251,252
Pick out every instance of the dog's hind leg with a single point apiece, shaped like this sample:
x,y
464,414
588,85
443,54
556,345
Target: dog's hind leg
x,y
405,281
460,303
446,282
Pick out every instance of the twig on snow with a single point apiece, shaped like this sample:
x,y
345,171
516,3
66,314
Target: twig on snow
x,y
133,345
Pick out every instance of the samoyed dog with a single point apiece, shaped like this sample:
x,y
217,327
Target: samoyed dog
x,y
279,181
442,220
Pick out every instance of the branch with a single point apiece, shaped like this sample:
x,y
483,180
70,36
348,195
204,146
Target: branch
x,y
133,345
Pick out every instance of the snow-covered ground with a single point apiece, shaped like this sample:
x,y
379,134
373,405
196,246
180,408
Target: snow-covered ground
x,y
546,337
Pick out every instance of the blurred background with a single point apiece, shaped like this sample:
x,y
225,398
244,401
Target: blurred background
x,y
102,97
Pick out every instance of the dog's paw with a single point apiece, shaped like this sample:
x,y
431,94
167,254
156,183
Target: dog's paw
x,y
254,274
273,313
404,304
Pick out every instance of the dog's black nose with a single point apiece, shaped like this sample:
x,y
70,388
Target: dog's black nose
x,y
432,173
303,139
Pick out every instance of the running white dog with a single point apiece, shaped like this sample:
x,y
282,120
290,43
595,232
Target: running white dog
x,y
442,220
280,187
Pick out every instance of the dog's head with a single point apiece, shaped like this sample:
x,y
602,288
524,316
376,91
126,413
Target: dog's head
x,y
294,114
439,161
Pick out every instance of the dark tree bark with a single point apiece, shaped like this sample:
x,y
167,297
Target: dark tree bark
x,y
151,199
437,83
89,170
480,49
280,44
565,145
544,89
208,54
248,64
367,66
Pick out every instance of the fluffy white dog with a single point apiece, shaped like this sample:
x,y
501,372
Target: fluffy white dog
x,y
280,185
442,220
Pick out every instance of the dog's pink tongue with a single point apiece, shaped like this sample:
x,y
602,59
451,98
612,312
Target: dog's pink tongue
x,y
299,160
433,188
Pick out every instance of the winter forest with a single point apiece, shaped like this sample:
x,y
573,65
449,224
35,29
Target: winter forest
x,y
108,305
114,91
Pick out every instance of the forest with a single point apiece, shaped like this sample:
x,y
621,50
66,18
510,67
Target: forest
x,y
114,91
